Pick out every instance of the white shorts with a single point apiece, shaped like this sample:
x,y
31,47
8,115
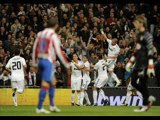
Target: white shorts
x,y
111,65
85,82
101,81
76,83
19,85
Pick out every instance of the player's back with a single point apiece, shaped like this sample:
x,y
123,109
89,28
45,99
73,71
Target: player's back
x,y
101,67
16,64
45,46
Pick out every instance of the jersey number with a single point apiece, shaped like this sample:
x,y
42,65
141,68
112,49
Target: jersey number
x,y
16,65
104,67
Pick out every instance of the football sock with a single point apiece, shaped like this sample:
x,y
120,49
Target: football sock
x,y
42,96
102,94
82,98
79,96
51,95
95,96
87,98
72,97
129,93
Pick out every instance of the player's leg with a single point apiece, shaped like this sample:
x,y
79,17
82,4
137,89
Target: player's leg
x,y
95,94
82,91
45,69
20,85
113,75
101,84
73,88
78,88
14,95
86,94
53,107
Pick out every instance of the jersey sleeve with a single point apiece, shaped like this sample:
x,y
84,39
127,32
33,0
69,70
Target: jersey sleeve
x,y
8,64
149,44
57,48
96,66
109,41
117,50
23,62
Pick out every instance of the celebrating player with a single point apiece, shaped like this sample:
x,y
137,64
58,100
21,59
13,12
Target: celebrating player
x,y
113,51
46,47
101,80
17,65
85,82
76,77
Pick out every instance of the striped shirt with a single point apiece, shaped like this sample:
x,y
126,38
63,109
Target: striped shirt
x,y
47,46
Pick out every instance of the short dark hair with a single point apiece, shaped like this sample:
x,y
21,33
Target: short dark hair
x,y
17,51
100,56
52,22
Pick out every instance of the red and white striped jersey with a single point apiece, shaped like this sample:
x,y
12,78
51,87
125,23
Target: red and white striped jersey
x,y
47,46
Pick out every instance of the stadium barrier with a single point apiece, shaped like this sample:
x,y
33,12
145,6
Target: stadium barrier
x,y
116,96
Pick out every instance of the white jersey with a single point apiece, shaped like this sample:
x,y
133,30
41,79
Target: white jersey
x,y
76,73
101,67
87,65
16,64
112,50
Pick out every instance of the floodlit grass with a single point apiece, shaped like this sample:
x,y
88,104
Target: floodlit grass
x,y
79,111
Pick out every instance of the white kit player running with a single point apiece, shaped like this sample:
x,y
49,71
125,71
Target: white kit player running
x,y
85,82
101,80
17,65
76,78
113,51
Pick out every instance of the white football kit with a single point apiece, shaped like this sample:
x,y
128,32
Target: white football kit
x,y
86,77
76,76
16,64
102,74
112,51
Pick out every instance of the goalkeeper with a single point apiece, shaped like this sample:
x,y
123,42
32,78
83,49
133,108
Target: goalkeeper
x,y
143,59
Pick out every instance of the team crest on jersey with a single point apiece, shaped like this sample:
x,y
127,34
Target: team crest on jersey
x,y
138,46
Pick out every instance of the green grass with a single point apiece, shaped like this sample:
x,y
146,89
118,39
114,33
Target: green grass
x,y
79,111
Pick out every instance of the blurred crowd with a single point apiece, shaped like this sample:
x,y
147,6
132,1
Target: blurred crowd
x,y
79,32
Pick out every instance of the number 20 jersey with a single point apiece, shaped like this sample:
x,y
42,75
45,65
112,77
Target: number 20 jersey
x,y
16,64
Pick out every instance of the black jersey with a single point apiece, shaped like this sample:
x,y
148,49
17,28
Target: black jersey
x,y
143,49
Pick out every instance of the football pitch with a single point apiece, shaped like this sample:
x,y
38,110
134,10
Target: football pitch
x,y
79,111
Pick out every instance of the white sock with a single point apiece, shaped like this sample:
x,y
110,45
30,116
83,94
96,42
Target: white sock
x,y
114,76
72,97
82,98
95,96
129,93
139,94
87,98
15,99
79,97
102,94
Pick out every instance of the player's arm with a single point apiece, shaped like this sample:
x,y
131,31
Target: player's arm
x,y
57,48
34,53
105,36
80,67
8,66
24,66
130,63
149,45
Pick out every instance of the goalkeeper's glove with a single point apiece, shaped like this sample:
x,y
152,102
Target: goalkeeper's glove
x,y
150,70
129,64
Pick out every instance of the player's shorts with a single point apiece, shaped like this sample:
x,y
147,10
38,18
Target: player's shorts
x,y
76,83
18,84
101,81
85,82
111,65
46,70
